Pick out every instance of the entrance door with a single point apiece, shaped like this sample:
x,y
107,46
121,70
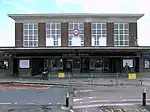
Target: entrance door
x,y
85,64
114,65
67,65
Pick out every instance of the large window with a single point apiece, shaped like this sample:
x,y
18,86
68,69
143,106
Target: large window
x,y
99,34
53,34
76,34
30,35
121,34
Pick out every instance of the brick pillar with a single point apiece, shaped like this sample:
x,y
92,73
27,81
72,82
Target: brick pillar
x,y
132,34
41,34
64,34
18,34
87,34
110,34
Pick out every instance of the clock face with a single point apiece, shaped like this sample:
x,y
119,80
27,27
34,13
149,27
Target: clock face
x,y
75,31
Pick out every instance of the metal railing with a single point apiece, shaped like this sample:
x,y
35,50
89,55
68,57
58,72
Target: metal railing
x,y
97,78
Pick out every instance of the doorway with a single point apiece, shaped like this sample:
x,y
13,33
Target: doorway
x,y
67,64
115,65
85,65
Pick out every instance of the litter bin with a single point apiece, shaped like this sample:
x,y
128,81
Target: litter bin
x,y
45,75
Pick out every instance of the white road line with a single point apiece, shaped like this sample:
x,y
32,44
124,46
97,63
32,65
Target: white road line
x,y
96,105
83,91
123,100
30,103
49,103
79,99
20,88
5,103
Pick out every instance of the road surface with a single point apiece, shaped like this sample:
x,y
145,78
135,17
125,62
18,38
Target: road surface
x,y
93,97
39,96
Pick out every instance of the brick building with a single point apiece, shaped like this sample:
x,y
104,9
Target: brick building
x,y
76,43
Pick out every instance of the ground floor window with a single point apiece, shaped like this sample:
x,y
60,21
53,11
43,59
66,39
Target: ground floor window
x,y
24,64
147,63
3,65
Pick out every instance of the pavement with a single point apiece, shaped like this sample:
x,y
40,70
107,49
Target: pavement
x,y
78,82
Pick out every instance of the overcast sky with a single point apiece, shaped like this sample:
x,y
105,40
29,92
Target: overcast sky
x,y
7,31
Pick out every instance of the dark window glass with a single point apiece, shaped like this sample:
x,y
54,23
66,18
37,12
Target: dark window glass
x,y
116,26
93,26
76,25
121,43
99,31
25,26
121,37
30,26
81,26
70,26
94,32
103,26
99,26
121,26
126,26
26,32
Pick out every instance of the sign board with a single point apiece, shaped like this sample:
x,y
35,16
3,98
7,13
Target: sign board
x,y
132,76
128,61
61,75
24,63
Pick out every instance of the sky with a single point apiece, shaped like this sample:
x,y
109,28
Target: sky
x,y
7,29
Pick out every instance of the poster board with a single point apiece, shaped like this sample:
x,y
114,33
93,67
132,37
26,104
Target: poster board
x,y
61,75
132,76
128,61
146,64
24,63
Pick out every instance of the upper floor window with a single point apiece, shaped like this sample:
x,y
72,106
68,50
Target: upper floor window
x,y
76,34
30,34
53,34
99,34
121,34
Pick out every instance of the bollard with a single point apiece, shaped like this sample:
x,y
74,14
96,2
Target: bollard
x,y
67,99
144,97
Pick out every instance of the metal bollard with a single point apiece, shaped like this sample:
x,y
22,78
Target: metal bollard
x,y
67,99
144,97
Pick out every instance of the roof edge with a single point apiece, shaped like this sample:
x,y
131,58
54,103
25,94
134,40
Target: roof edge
x,y
136,15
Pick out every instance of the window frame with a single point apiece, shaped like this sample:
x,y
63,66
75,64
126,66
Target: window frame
x,y
52,30
98,30
121,30
30,35
73,25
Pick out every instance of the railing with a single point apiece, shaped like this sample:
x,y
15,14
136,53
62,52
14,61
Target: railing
x,y
97,78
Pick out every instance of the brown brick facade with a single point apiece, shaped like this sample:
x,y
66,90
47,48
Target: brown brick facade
x,y
64,34
132,34
110,34
87,34
18,34
41,34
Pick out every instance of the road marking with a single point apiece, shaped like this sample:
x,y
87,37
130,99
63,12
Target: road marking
x,y
83,91
75,100
117,104
30,103
49,103
94,101
5,103
100,101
